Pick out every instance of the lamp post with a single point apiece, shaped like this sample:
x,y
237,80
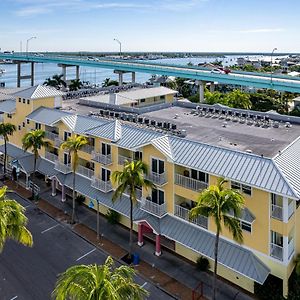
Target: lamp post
x,y
272,64
27,42
120,44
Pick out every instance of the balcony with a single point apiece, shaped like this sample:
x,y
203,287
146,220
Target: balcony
x,y
85,171
57,142
276,251
158,210
190,183
101,185
277,212
51,156
122,159
183,213
51,135
291,208
87,149
156,178
101,158
61,167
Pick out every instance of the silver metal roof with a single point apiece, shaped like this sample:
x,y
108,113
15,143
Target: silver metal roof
x,y
14,151
247,168
47,116
231,255
246,215
38,92
289,164
111,130
8,106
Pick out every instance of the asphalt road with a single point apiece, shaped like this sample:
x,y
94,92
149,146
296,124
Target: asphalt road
x,y
31,273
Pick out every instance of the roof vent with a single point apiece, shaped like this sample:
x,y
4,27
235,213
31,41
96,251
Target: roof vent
x,y
249,151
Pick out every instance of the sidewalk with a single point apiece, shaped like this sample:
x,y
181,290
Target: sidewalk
x,y
170,272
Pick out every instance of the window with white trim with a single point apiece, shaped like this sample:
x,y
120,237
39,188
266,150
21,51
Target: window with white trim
x,y
38,126
246,226
246,189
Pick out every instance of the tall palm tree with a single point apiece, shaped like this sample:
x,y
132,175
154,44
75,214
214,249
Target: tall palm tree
x,y
73,144
99,282
133,175
220,204
6,129
13,221
33,141
56,81
105,82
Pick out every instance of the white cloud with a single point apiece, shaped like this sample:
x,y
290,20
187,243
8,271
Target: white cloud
x,y
254,30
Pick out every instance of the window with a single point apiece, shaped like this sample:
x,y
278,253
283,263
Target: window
x,y
143,100
19,127
105,174
246,189
162,97
27,121
9,116
24,100
67,158
23,124
157,166
20,100
158,196
246,226
38,126
105,149
138,155
198,175
66,135
28,101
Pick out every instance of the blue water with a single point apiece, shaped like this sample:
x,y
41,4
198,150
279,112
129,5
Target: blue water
x,y
95,75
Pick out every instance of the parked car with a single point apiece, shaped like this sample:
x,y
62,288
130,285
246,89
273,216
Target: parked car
x,y
217,71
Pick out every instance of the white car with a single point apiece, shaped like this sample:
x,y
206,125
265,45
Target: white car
x,y
217,71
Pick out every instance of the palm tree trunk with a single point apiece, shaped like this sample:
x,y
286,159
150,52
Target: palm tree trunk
x,y
216,264
73,195
131,227
33,177
5,157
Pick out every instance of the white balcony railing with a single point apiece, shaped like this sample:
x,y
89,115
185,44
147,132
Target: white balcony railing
x,y
157,178
291,208
291,248
101,158
277,212
101,185
51,156
85,171
61,167
51,135
153,208
190,183
122,159
276,251
57,142
87,149
183,213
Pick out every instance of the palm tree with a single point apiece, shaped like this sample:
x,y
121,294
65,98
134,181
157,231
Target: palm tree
x,y
220,203
99,282
33,141
13,221
132,176
75,85
105,82
56,81
73,144
6,129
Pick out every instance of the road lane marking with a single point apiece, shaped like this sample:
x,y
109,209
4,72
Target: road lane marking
x,y
13,298
79,258
50,228
144,284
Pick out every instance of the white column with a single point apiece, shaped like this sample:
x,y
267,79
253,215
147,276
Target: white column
x,y
201,91
27,181
53,185
63,193
285,249
285,209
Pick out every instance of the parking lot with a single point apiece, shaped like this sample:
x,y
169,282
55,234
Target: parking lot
x,y
31,273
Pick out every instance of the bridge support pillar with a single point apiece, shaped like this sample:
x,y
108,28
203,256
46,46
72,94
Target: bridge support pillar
x,y
64,72
212,87
77,72
201,85
120,78
22,77
133,77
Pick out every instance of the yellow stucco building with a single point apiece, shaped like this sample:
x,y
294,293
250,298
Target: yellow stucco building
x,y
187,148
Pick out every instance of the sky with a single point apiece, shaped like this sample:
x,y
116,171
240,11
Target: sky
x,y
157,25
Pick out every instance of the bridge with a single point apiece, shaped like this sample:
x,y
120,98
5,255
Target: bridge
x,y
202,75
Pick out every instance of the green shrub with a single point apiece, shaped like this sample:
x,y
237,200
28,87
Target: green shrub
x,y
80,199
113,217
202,263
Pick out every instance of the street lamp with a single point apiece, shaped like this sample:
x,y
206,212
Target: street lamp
x,y
120,44
272,64
27,42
